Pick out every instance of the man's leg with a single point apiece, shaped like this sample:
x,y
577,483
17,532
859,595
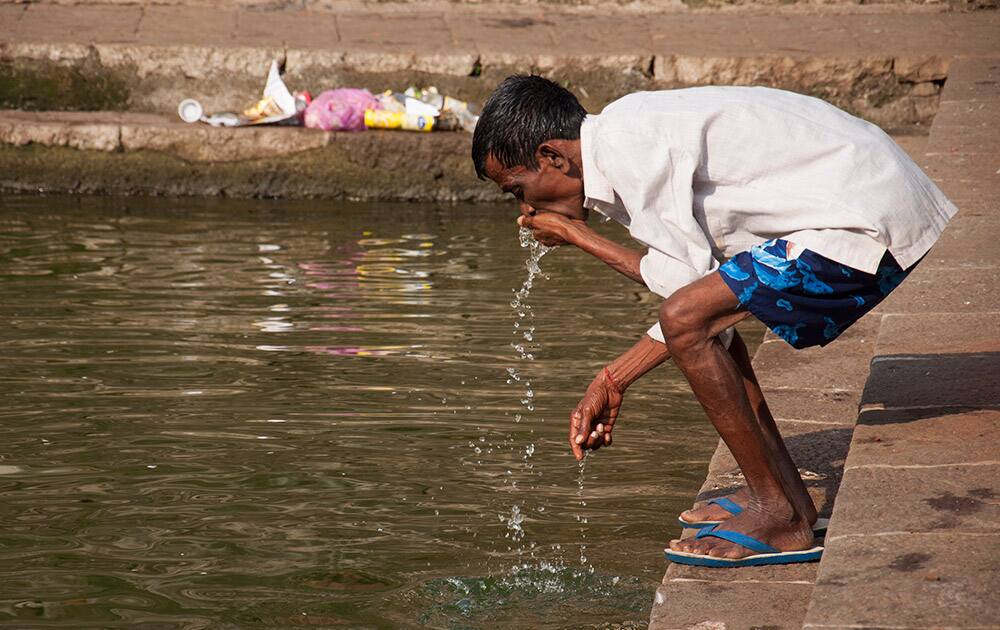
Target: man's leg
x,y
790,477
691,319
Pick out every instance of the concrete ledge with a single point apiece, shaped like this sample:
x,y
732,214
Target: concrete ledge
x,y
906,580
682,604
403,7
132,154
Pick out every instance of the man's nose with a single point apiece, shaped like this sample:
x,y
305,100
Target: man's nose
x,y
527,210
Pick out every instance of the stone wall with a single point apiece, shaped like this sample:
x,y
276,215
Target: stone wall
x,y
890,91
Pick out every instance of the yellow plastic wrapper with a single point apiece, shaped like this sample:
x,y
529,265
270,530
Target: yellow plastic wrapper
x,y
380,119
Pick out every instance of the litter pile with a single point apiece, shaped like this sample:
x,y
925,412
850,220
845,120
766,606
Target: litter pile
x,y
343,109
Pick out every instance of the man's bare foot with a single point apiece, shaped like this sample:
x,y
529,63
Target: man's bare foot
x,y
784,534
715,512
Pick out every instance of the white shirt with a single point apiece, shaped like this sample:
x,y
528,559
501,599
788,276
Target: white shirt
x,y
700,174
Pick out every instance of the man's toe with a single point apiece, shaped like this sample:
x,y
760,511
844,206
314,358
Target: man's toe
x,y
735,552
718,550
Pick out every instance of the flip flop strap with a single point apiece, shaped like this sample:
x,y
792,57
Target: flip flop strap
x,y
735,537
728,505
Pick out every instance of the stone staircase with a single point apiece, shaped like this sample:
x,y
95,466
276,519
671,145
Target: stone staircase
x,y
914,540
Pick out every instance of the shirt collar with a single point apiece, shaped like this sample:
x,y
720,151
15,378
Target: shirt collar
x,y
595,186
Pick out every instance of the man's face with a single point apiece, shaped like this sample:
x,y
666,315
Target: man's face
x,y
556,186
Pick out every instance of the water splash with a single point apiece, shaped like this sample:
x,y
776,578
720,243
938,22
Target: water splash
x,y
543,586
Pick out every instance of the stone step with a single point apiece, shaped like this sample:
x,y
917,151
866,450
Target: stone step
x,y
813,395
609,6
919,465
915,534
150,154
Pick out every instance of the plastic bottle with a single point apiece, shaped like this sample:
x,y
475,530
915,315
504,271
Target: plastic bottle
x,y
381,119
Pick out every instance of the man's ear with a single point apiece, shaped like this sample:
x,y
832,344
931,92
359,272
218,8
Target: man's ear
x,y
553,154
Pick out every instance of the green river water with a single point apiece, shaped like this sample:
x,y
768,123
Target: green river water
x,y
222,414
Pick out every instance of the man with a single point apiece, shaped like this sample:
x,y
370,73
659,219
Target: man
x,y
819,214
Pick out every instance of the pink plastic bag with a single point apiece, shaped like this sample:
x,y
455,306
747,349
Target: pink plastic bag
x,y
340,110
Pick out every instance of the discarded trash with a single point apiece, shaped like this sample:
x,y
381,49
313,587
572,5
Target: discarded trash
x,y
276,106
340,110
190,110
448,113
392,101
343,109
452,113
381,119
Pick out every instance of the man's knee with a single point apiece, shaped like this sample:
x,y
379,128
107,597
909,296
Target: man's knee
x,y
682,322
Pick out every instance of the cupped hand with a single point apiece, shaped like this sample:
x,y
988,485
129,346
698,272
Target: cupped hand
x,y
548,228
594,417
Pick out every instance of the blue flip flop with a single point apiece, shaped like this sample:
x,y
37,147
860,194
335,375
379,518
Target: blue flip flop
x,y
726,504
819,527
766,554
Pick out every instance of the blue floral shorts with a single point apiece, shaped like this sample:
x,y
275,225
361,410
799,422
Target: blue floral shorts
x,y
809,300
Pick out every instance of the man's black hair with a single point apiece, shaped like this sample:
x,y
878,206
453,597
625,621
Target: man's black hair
x,y
522,113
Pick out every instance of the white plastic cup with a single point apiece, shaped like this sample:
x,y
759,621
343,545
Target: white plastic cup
x,y
190,110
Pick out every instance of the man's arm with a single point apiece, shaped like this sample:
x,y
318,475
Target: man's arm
x,y
551,228
594,417
645,355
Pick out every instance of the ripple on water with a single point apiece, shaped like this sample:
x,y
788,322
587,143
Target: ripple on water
x,y
268,415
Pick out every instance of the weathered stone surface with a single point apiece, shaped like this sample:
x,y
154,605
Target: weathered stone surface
x,y
769,69
930,437
842,365
493,35
974,78
969,113
64,54
199,143
929,290
147,154
819,452
415,32
908,581
229,46
206,63
953,333
919,69
814,405
733,606
977,138
403,7
970,240
10,14
397,168
77,132
957,498
49,23
933,380
302,29
580,34
804,572
186,25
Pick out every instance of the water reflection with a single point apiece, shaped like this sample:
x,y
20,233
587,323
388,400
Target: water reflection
x,y
272,415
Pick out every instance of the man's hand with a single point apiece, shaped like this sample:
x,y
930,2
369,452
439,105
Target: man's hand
x,y
591,422
548,228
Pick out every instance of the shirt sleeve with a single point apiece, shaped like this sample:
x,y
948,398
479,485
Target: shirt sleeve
x,y
663,275
654,177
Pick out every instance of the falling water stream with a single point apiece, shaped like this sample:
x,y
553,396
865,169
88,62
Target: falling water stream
x,y
524,347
